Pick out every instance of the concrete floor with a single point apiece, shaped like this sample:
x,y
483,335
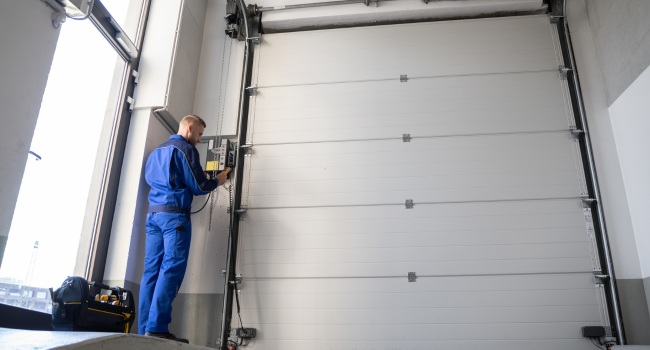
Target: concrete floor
x,y
17,339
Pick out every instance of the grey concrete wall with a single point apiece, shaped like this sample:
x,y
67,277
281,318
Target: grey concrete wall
x,y
621,32
28,41
636,318
197,317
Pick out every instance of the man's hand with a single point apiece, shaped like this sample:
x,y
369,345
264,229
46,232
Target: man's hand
x,y
222,176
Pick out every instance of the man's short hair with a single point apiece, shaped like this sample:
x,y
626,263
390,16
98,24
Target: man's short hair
x,y
192,119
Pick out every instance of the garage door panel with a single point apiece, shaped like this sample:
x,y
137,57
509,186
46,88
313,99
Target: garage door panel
x,y
418,66
377,183
400,47
283,237
441,107
541,145
414,91
442,268
563,283
369,255
410,298
387,315
527,62
415,170
276,48
423,196
510,25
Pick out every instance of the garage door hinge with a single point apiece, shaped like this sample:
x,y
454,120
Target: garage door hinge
x,y
131,102
412,276
409,204
600,279
136,76
575,133
586,201
403,78
554,19
406,137
252,90
247,148
563,71
241,212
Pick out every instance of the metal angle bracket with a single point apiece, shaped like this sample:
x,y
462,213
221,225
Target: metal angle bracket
x,y
252,90
131,102
412,277
586,202
241,212
600,279
409,204
575,133
403,78
136,76
248,149
406,137
256,40
554,19
563,72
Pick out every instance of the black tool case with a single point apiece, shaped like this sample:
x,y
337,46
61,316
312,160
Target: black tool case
x,y
75,309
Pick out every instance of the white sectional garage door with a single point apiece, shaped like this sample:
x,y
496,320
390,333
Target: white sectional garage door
x,y
496,236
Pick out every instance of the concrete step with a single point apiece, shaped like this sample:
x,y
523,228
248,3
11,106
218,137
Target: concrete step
x,y
19,339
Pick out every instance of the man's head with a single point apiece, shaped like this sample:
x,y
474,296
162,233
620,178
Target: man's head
x,y
191,128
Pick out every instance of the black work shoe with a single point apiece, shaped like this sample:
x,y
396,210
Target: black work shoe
x,y
167,336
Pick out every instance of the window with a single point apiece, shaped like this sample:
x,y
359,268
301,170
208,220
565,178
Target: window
x,y
53,222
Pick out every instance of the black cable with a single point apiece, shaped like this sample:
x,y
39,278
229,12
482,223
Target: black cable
x,y
592,341
206,202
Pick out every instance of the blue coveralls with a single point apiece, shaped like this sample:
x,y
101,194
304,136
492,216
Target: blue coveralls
x,y
175,175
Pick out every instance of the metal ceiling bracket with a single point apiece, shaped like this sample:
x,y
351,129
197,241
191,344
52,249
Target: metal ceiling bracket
x,y
564,72
131,102
409,204
406,137
412,276
252,90
403,78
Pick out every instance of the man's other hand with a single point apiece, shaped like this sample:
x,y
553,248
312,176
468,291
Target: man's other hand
x,y
222,176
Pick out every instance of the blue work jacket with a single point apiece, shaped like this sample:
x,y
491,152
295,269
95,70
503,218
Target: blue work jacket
x,y
175,175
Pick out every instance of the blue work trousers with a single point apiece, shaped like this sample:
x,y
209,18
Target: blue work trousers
x,y
165,261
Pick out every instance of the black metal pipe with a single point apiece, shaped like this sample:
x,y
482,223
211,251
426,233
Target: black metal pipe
x,y
236,205
329,3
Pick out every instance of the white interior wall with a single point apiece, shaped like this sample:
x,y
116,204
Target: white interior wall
x,y
28,42
630,115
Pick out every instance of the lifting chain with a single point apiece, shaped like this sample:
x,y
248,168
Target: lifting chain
x,y
222,106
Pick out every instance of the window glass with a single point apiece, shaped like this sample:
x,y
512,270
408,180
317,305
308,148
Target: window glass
x,y
77,109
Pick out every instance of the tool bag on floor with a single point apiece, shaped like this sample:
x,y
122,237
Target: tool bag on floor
x,y
74,309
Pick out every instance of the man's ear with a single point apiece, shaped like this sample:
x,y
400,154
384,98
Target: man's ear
x,y
189,128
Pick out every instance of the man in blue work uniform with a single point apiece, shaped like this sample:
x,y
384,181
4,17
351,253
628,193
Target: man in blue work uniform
x,y
175,175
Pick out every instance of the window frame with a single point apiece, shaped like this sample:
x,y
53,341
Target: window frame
x,y
100,235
